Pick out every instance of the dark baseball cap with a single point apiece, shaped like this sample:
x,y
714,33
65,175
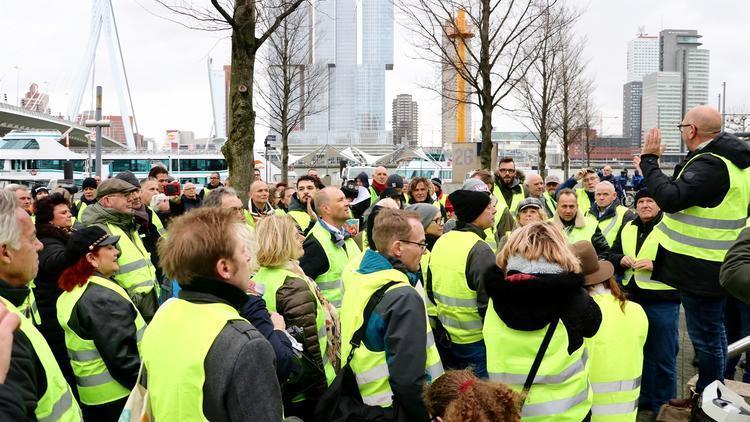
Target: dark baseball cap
x,y
86,240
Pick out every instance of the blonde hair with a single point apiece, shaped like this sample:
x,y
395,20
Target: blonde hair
x,y
539,240
250,239
280,245
197,241
542,214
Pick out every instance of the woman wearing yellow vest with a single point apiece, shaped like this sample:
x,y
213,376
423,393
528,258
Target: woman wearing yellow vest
x,y
616,351
536,292
102,326
530,210
289,292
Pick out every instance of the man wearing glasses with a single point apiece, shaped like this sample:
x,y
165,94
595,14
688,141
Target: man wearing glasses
x,y
705,208
508,188
458,261
585,195
214,181
114,213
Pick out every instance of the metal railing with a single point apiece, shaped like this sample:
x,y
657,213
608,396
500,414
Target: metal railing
x,y
739,347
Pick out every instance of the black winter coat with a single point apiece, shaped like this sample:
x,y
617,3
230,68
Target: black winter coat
x,y
52,262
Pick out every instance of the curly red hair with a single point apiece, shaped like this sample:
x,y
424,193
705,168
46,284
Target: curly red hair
x,y
77,274
459,396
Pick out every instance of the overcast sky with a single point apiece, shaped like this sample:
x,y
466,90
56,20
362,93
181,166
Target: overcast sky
x,y
166,63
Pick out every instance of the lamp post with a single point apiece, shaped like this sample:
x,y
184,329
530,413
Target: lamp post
x,y
98,124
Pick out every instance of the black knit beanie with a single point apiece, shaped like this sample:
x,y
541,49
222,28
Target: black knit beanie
x,y
468,205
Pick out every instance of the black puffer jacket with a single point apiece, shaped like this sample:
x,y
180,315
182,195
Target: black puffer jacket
x,y
528,302
52,263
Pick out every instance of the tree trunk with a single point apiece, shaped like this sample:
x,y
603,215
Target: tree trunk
x,y
284,158
238,150
487,102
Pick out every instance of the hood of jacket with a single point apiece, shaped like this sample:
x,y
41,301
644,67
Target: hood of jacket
x,y
730,147
97,214
528,302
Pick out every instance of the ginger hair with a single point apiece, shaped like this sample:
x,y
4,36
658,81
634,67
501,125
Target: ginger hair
x,y
459,396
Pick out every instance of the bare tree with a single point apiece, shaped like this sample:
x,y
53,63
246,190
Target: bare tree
x,y
539,90
293,86
586,125
492,63
573,86
252,22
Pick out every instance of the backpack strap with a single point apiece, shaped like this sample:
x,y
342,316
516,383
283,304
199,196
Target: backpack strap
x,y
538,359
369,308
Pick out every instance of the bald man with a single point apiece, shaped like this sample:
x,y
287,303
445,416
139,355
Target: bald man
x,y
328,247
258,204
378,185
705,208
535,188
608,212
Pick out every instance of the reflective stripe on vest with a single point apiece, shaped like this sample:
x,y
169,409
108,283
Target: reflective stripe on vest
x,y
707,233
29,307
57,402
371,368
617,358
330,281
456,302
136,274
648,250
95,383
274,278
611,226
174,351
561,386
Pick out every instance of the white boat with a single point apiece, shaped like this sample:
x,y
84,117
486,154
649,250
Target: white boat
x,y
38,158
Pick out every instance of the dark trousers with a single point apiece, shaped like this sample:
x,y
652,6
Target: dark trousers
x,y
737,324
705,324
469,356
659,379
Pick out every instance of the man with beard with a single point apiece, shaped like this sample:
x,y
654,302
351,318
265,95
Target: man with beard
x,y
508,188
301,206
214,181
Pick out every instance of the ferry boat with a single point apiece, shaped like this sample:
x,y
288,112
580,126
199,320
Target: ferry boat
x,y
37,157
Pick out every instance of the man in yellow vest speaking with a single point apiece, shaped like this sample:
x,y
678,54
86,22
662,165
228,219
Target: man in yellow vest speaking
x,y
204,361
705,208
34,376
633,253
398,354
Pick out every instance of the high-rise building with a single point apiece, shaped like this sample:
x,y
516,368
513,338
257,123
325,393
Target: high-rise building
x,y
662,108
455,107
643,58
405,121
679,52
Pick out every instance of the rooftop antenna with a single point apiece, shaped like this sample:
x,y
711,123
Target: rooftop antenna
x,y
102,18
641,31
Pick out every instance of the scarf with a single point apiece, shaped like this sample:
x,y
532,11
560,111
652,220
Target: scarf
x,y
339,234
379,187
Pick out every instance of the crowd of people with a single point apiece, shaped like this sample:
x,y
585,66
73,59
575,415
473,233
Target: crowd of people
x,y
511,298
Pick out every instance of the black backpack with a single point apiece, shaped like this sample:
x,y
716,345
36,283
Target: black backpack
x,y
342,401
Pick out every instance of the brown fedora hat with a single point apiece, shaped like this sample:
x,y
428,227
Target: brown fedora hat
x,y
594,271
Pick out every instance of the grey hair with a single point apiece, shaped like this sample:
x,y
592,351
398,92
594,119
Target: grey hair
x,y
13,187
156,199
216,196
10,230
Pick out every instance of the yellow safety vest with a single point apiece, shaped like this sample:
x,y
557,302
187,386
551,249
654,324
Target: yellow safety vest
x,y
584,203
707,233
57,403
174,350
329,282
424,265
272,279
371,368
29,307
575,234
456,302
560,391
550,201
649,248
302,218
136,274
610,226
515,200
156,221
95,383
616,359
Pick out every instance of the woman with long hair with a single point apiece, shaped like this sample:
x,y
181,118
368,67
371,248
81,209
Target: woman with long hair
x,y
53,228
288,291
616,351
459,396
102,326
538,306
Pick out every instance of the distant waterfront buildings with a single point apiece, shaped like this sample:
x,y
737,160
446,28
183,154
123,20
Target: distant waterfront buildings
x,y
405,120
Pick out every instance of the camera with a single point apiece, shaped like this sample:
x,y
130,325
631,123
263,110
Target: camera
x,y
172,188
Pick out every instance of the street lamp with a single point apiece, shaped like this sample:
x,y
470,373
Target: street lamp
x,y
18,85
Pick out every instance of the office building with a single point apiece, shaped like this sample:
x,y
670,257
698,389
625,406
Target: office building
x,y
643,57
662,108
679,52
405,121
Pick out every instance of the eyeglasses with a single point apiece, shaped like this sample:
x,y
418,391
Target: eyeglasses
x,y
422,245
680,126
506,170
438,221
